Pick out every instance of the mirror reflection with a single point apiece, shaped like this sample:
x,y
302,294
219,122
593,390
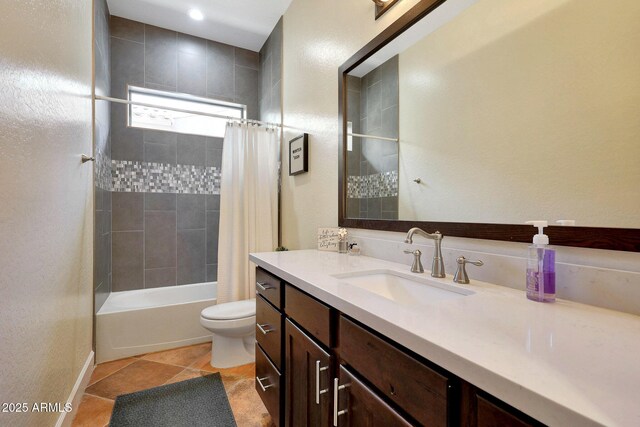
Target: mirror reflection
x,y
495,111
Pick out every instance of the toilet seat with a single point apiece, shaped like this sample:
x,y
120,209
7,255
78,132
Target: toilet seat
x,y
230,311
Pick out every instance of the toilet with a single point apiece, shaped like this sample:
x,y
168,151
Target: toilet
x,y
233,325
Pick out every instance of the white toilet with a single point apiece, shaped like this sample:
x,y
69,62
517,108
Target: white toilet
x,y
233,325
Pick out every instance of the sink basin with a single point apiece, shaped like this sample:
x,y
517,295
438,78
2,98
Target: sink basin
x,y
403,288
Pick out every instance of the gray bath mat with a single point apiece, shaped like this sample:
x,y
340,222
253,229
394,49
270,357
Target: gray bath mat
x,y
191,403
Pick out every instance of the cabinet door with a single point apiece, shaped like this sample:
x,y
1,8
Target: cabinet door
x,y
308,400
355,405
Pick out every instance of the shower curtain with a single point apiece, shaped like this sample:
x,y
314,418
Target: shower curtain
x,y
248,206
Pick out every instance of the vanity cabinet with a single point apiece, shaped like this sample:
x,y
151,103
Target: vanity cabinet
x,y
329,370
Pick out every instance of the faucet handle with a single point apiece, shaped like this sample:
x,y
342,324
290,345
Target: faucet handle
x,y
461,275
416,267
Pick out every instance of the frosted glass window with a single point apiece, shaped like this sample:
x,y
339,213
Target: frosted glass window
x,y
176,121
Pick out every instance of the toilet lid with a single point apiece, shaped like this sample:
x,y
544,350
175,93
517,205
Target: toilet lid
x,y
231,310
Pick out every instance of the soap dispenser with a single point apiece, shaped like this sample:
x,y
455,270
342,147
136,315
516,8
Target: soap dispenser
x,y
541,267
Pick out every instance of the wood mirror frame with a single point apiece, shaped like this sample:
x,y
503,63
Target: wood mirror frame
x,y
620,239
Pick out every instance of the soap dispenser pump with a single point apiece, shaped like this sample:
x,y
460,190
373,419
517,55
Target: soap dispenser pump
x,y
541,267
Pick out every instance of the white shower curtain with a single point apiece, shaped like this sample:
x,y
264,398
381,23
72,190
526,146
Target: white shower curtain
x,y
248,206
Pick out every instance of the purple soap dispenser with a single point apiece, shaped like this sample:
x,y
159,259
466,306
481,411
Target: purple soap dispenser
x,y
541,267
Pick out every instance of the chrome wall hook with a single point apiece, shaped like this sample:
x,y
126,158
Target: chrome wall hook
x,y
84,158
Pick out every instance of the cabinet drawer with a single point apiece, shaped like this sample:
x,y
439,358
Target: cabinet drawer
x,y
491,415
269,286
269,330
268,385
306,311
416,388
357,405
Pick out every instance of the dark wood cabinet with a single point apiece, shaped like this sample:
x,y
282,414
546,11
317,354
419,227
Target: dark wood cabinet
x,y
308,378
268,385
478,409
321,368
269,330
410,384
356,405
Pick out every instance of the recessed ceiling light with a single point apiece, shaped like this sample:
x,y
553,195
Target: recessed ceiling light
x,y
195,14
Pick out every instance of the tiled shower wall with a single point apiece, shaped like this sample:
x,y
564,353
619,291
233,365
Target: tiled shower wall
x,y
102,151
166,233
373,164
271,77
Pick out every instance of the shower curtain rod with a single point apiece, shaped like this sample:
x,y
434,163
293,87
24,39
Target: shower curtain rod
x,y
180,110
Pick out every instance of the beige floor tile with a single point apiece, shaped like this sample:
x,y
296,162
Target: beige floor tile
x,y
183,356
93,412
187,374
103,370
247,407
140,375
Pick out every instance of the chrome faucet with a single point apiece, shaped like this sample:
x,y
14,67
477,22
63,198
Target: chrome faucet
x,y
437,267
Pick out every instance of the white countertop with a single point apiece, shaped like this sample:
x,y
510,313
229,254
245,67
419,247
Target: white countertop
x,y
565,364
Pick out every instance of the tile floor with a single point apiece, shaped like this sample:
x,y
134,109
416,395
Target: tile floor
x,y
132,374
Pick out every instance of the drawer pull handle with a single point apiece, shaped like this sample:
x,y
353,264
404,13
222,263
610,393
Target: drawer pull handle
x,y
318,391
264,286
336,389
262,386
262,328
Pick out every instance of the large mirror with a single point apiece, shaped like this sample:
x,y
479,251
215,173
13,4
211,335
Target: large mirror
x,y
476,115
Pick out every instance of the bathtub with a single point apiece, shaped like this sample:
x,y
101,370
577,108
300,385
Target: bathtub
x,y
135,322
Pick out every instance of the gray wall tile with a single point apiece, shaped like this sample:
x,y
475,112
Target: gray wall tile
x,y
160,55
213,202
156,86
220,69
212,272
192,74
127,211
191,211
213,224
269,98
159,277
128,264
160,147
126,142
126,29
191,258
160,201
247,58
127,66
159,239
246,88
214,154
192,150
192,44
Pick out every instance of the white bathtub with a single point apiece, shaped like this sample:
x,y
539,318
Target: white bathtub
x,y
136,322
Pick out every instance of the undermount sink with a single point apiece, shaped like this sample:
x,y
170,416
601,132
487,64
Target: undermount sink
x,y
403,288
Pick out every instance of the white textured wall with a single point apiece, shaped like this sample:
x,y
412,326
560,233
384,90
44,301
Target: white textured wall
x,y
318,37
46,207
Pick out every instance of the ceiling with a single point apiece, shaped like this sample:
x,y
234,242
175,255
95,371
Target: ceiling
x,y
243,23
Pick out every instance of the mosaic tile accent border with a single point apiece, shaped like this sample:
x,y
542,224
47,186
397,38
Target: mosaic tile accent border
x,y
384,184
144,177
